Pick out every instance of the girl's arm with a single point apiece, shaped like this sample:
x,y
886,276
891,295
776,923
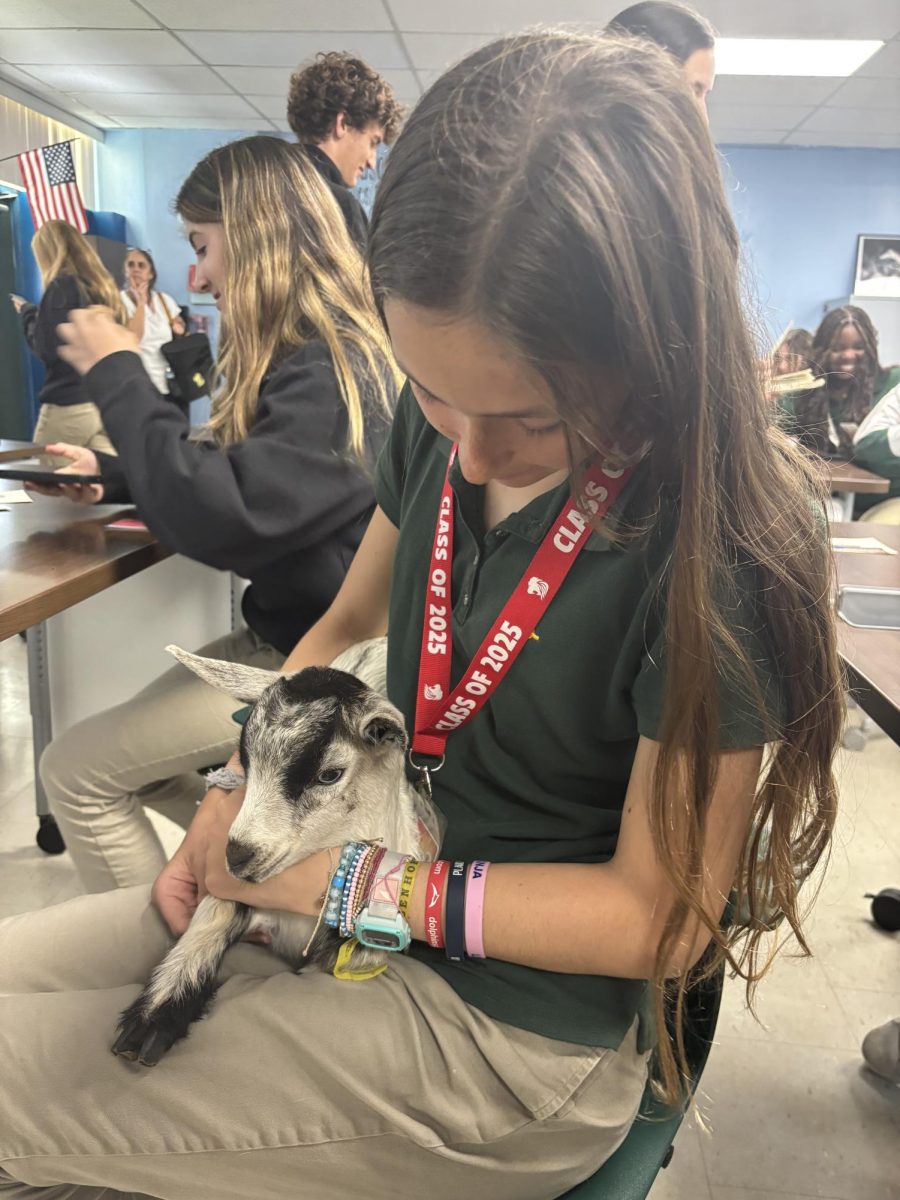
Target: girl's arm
x,y
286,487
593,919
608,918
40,323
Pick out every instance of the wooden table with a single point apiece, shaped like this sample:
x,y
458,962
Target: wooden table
x,y
53,556
872,656
846,478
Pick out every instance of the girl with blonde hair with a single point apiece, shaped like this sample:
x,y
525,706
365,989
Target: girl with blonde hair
x,y
277,489
73,277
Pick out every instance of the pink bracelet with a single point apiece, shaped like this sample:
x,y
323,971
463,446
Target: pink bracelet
x,y
475,908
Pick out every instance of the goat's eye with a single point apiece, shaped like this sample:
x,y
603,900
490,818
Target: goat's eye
x,y
330,775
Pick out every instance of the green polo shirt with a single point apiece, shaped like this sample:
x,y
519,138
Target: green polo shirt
x,y
887,379
540,774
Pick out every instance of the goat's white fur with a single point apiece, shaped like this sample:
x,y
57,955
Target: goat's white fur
x,y
372,803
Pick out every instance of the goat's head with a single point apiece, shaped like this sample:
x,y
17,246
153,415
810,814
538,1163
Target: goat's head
x,y
324,760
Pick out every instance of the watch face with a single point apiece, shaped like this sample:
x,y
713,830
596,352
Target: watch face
x,y
383,939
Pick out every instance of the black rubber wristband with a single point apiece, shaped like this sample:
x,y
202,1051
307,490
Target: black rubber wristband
x,y
455,913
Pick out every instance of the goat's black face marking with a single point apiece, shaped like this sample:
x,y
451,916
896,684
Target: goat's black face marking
x,y
323,683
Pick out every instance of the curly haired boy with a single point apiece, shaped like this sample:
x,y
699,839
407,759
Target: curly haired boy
x,y
342,110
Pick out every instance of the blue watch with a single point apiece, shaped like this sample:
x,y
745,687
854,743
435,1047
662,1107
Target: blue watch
x,y
382,926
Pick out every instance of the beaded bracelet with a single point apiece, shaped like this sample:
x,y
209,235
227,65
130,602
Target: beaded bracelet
x,y
359,886
336,887
343,923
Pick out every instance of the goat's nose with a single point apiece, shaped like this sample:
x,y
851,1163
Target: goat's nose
x,y
238,855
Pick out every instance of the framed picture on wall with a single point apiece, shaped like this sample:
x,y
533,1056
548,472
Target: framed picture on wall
x,y
877,265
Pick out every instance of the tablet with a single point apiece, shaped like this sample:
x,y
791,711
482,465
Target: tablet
x,y
34,475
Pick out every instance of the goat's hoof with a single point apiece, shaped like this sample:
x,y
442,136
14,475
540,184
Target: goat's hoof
x,y
143,1041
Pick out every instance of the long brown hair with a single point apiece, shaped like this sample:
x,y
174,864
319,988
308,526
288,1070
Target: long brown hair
x,y
293,276
60,249
564,191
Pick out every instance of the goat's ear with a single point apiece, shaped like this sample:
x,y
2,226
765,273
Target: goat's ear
x,y
382,728
244,683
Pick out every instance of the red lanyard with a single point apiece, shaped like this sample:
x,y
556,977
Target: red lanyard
x,y
441,709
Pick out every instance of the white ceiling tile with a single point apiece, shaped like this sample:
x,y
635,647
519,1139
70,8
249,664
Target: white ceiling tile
x,y
770,89
271,14
883,65
774,116
88,114
436,51
860,121
806,19
749,137
74,14
282,127
261,81
166,104
270,106
500,16
131,79
280,50
139,46
260,125
862,139
274,81
24,79
867,93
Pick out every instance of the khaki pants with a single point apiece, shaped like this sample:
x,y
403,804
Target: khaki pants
x,y
293,1088
99,774
77,424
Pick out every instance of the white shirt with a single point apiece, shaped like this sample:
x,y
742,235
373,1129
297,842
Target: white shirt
x,y
157,331
884,418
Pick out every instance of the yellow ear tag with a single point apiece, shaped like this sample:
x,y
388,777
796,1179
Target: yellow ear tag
x,y
341,968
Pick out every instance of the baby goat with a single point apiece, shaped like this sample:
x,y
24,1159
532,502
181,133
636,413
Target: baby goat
x,y
324,757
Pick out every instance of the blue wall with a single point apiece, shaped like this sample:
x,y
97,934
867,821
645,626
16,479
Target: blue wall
x,y
799,211
139,174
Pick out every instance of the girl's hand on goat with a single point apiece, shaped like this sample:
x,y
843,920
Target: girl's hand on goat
x,y
180,886
300,889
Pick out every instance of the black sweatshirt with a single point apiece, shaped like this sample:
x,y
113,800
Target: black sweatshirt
x,y
354,213
40,323
286,508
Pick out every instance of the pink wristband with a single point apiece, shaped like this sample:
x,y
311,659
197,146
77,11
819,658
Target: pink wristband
x,y
475,908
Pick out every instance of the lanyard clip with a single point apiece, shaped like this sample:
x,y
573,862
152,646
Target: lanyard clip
x,y
425,773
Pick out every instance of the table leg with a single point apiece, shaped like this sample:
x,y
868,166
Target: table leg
x,y
39,698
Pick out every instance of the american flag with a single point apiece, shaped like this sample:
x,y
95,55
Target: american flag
x,y
51,186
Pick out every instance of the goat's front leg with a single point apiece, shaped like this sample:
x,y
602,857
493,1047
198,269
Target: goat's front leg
x,y
182,985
